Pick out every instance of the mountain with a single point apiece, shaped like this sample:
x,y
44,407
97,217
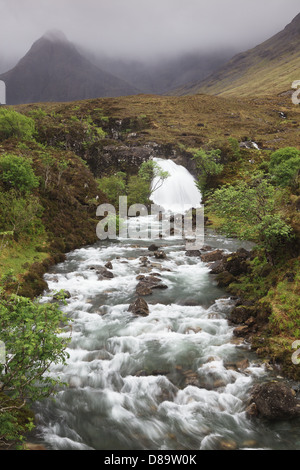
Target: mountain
x,y
161,75
268,68
54,70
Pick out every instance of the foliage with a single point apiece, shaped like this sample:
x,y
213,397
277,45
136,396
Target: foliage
x,y
17,172
13,124
285,166
113,187
152,174
208,165
20,215
29,331
250,212
137,191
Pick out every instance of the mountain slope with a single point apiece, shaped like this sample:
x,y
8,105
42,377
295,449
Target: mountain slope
x,y
267,68
54,70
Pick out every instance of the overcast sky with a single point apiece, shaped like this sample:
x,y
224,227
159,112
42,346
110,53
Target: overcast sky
x,y
143,27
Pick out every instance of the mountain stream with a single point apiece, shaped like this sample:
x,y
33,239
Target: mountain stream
x,y
176,379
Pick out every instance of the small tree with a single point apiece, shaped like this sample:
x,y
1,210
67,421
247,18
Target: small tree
x,y
250,211
137,191
16,172
113,186
152,173
30,333
13,124
208,165
285,166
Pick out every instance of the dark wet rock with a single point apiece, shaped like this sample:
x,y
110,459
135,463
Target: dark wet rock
x,y
212,256
108,265
144,261
236,263
273,401
241,331
193,253
148,283
239,365
104,273
241,314
139,307
206,248
153,247
160,254
217,267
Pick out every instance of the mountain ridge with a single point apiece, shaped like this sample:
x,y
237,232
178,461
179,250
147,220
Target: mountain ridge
x,y
267,68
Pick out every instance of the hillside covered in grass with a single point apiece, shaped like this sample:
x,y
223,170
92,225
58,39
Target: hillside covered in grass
x,y
270,67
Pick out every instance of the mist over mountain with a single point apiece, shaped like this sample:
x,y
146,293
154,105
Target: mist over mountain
x,y
54,70
270,67
164,74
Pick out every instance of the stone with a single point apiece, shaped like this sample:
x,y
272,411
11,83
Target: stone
x,y
144,261
228,444
193,253
147,283
139,307
215,255
108,265
33,446
217,267
160,254
241,331
104,273
153,247
273,401
241,314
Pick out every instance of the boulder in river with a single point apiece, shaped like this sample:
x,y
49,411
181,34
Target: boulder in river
x,y
139,307
212,256
104,273
147,283
160,254
273,401
153,247
193,253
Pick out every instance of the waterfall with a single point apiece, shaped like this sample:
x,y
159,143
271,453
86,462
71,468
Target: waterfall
x,y
178,192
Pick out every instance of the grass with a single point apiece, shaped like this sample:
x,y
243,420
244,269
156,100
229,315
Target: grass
x,y
17,257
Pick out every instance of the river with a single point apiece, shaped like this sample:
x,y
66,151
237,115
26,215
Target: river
x,y
176,379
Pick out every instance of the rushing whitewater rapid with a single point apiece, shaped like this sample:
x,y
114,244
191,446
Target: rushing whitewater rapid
x,y
173,380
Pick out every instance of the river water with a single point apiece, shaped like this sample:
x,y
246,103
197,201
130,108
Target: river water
x,y
176,379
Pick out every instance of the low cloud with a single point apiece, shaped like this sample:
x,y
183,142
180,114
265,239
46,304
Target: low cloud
x,y
143,28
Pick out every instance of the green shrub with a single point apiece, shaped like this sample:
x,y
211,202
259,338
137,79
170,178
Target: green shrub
x,y
113,187
20,215
137,191
250,211
13,124
16,172
285,166
208,165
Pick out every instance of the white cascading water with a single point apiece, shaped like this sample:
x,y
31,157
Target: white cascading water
x,y
178,192
167,381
